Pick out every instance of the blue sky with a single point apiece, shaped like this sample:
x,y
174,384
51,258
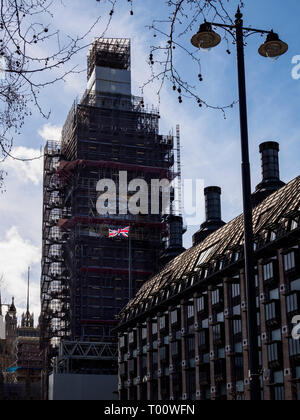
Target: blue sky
x,y
210,144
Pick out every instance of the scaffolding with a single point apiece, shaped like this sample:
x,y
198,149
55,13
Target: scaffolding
x,y
177,204
78,257
55,299
84,273
72,353
105,120
109,52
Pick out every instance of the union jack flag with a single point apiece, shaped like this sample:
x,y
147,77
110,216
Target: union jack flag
x,y
123,232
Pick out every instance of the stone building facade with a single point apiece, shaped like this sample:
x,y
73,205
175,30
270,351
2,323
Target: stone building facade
x,y
184,336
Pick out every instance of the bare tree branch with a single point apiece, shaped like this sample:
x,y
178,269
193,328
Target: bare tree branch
x,y
171,35
34,55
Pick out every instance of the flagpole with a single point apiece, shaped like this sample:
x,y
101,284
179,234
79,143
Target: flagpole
x,y
130,267
113,233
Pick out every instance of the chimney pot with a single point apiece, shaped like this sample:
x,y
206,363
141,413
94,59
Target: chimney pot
x,y
270,172
213,203
213,214
270,160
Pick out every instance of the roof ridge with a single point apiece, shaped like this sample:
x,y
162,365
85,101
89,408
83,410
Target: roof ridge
x,y
187,261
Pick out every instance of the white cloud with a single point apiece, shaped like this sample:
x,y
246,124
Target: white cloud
x,y
25,171
16,255
20,229
50,132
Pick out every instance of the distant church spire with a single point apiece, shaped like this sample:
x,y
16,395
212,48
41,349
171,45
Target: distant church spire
x,y
11,322
12,308
28,291
27,319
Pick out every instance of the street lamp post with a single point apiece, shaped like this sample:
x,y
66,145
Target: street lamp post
x,y
248,224
206,38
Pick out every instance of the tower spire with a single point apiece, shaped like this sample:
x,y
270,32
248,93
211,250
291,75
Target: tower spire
x,y
28,282
12,306
27,318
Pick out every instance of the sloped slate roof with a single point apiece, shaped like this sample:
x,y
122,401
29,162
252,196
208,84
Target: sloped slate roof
x,y
275,209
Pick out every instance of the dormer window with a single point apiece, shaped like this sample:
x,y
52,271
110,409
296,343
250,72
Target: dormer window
x,y
236,256
294,225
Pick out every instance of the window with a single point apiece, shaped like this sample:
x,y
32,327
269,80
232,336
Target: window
x,y
191,329
131,337
221,353
203,338
294,225
279,394
273,352
163,353
218,333
220,317
237,326
174,317
144,333
236,310
295,285
190,311
201,304
131,365
274,294
276,335
154,328
162,322
122,342
278,377
268,271
240,387
239,367
292,302
238,348
258,317
271,311
191,344
205,324
289,261
204,255
294,347
236,290
216,297
175,348
206,358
